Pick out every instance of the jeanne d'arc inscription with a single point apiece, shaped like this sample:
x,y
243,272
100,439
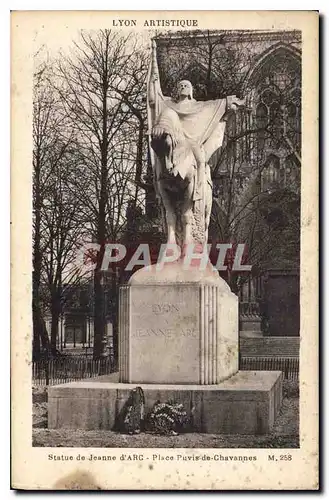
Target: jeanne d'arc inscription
x,y
164,332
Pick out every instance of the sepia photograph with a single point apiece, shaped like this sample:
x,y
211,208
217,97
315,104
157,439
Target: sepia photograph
x,y
165,245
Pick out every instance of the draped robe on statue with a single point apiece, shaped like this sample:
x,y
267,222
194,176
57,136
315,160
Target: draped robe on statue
x,y
192,124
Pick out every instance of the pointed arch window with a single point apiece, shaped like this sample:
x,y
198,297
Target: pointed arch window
x,y
262,116
292,172
276,84
293,118
276,121
231,129
270,176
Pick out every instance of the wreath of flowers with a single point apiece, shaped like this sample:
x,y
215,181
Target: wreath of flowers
x,y
167,418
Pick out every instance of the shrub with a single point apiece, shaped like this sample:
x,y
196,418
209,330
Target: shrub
x,y
291,388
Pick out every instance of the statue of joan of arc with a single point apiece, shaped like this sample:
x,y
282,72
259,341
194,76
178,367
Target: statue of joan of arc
x,y
184,133
200,123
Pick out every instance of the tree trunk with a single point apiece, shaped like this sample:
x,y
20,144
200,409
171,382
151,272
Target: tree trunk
x,y
40,334
99,305
139,159
55,315
209,70
36,347
115,317
99,318
43,333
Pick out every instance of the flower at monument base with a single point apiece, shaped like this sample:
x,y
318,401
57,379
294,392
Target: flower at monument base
x,y
133,415
167,418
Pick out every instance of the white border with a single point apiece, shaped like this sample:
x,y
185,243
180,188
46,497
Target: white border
x,y
5,7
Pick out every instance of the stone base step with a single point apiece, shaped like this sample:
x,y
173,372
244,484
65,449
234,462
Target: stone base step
x,y
246,403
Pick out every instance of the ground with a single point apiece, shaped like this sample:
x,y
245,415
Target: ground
x,y
284,435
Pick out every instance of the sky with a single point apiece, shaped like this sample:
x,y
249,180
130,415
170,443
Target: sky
x,y
52,44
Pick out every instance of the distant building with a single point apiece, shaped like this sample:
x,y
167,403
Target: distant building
x,y
76,322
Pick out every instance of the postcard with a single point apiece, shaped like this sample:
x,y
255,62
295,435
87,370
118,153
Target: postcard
x,y
164,257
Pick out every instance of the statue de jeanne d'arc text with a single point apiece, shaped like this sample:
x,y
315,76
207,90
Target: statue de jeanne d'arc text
x,y
184,133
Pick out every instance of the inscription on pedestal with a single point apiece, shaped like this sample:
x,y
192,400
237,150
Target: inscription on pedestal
x,y
158,308
164,332
178,333
164,322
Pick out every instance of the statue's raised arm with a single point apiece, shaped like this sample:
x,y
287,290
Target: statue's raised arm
x,y
154,93
154,98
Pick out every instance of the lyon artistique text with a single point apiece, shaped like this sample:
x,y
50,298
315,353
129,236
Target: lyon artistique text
x,y
155,23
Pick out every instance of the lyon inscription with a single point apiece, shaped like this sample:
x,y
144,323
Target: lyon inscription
x,y
159,308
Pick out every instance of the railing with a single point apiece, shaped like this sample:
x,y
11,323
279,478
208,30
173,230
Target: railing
x,y
289,366
267,347
69,368
249,309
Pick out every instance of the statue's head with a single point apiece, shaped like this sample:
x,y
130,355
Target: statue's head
x,y
184,88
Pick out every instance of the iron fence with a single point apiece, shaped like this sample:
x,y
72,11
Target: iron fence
x,y
69,368
288,365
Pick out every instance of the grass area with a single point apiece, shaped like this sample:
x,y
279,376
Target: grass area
x,y
285,433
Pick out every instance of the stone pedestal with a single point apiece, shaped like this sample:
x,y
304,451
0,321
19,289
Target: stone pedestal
x,y
177,326
178,334
246,403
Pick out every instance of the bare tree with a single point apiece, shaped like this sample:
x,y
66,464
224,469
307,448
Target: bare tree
x,y
58,226
63,231
100,85
45,123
